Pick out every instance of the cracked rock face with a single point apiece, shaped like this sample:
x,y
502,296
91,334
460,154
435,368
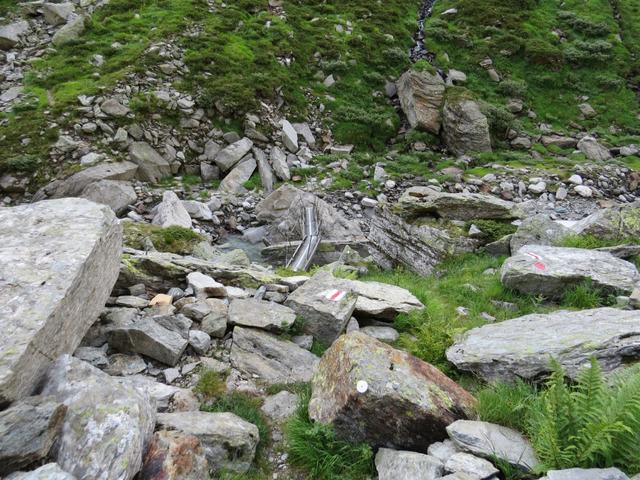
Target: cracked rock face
x,y
58,262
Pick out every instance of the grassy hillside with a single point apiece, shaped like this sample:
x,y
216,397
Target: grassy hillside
x,y
551,54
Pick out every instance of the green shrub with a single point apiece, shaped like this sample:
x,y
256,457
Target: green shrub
x,y
20,164
592,241
493,229
316,449
594,423
171,239
541,52
584,53
513,88
500,119
582,296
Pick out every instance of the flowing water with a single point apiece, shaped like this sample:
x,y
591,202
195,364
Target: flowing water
x,y
419,50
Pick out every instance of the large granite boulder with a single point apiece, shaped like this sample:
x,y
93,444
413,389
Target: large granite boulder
x,y
550,271
107,427
27,432
538,230
421,96
229,442
283,211
383,301
249,312
152,167
374,393
593,150
241,173
417,246
418,202
171,212
116,194
11,34
71,31
58,263
465,128
227,158
523,347
493,441
325,304
270,359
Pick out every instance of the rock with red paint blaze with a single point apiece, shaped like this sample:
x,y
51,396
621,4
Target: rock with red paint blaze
x,y
175,456
551,271
374,393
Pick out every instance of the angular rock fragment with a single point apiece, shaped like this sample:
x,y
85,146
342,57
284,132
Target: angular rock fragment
x,y
229,442
421,96
241,173
254,313
269,358
372,392
174,456
226,158
50,471
170,212
394,464
152,167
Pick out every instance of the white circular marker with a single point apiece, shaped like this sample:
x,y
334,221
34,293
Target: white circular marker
x,y
362,386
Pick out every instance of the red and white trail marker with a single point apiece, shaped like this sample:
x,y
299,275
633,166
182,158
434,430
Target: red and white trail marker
x,y
334,295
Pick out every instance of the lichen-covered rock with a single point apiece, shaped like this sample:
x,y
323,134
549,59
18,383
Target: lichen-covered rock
x,y
174,456
152,167
249,312
621,222
50,471
522,347
538,230
270,359
107,427
229,442
58,262
374,393
465,128
550,271
421,96
27,432
384,301
398,464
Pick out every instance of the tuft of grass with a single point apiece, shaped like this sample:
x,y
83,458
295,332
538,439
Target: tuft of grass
x,y
583,296
211,385
591,241
506,404
493,229
171,239
316,449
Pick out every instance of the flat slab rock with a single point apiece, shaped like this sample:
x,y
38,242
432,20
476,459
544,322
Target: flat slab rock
x,y
586,474
249,312
50,471
229,442
550,271
372,392
380,300
398,464
269,358
521,347
59,260
488,440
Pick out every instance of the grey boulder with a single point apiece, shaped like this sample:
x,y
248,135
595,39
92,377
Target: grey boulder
x,y
241,173
421,96
152,167
380,300
538,230
10,35
107,427
398,464
249,312
593,150
226,158
586,474
550,271
270,359
116,194
59,260
523,347
229,442
465,128
493,441
171,212
50,471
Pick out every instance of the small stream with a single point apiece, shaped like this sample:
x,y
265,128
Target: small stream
x,y
419,50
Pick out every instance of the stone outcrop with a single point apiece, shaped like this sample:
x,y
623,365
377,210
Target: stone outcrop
x,y
416,246
270,359
550,271
522,347
229,442
465,128
107,426
421,96
58,262
283,211
116,194
372,392
241,173
621,222
326,304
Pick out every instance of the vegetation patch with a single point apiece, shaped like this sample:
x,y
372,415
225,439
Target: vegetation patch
x,y
315,448
171,239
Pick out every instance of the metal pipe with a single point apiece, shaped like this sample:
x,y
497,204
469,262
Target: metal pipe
x,y
303,255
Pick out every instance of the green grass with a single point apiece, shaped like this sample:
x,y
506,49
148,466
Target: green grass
x,y
211,385
171,239
592,241
506,404
583,296
315,449
459,282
